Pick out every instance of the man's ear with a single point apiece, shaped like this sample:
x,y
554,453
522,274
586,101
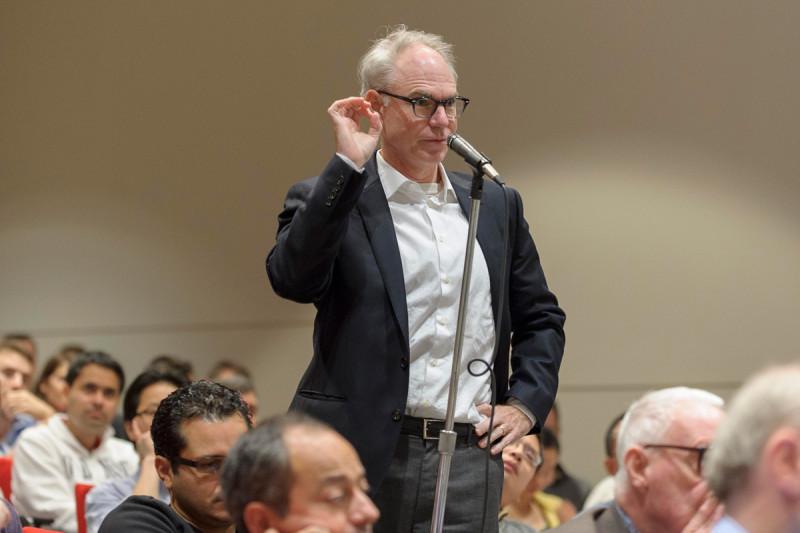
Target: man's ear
x,y
782,457
164,469
636,461
375,99
259,517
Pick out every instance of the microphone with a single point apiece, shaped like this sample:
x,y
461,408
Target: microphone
x,y
459,145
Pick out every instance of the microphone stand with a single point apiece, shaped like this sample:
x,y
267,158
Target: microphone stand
x,y
447,437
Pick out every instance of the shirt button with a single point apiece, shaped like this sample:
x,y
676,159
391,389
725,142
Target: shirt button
x,y
441,239
429,203
443,321
447,279
403,363
426,403
435,362
397,415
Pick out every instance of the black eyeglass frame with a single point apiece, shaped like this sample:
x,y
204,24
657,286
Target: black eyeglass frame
x,y
700,450
203,469
443,103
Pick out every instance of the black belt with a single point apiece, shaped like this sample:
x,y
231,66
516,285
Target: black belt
x,y
429,428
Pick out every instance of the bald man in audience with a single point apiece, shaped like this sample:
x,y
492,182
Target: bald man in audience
x,y
295,474
754,466
659,485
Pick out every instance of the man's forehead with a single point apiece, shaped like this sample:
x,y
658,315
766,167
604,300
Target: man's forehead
x,y
322,454
97,375
12,357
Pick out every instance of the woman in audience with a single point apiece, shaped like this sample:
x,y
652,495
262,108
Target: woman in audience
x,y
52,384
535,508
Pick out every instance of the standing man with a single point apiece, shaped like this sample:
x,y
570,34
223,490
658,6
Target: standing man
x,y
193,430
377,243
76,447
754,466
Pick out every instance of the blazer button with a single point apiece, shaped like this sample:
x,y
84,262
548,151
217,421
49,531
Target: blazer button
x,y
403,363
397,415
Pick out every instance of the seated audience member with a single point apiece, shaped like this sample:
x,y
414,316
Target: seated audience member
x,y
9,521
12,365
754,466
535,508
138,408
604,490
164,363
16,371
243,385
293,473
24,342
564,484
52,383
193,430
520,462
226,368
76,447
659,486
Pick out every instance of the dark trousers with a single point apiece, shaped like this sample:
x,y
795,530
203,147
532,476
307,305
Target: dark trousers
x,y
405,498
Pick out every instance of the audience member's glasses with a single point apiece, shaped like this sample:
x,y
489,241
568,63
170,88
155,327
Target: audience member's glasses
x,y
147,412
699,450
425,106
205,465
529,454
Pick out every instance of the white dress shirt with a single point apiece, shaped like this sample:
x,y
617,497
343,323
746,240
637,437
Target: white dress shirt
x,y
431,234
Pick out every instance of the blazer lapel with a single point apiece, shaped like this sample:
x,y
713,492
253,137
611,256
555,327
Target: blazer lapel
x,y
378,223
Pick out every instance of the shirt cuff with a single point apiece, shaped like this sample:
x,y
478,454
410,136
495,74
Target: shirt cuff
x,y
350,162
513,402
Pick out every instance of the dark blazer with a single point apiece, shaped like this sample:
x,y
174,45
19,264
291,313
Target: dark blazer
x,y
336,248
599,519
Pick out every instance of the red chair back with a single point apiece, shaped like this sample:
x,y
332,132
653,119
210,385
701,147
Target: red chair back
x,y
5,476
80,505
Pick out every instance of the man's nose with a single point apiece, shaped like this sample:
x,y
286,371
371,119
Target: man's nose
x,y
16,382
363,511
439,117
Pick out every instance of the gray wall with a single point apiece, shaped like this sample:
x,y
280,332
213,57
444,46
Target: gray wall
x,y
145,149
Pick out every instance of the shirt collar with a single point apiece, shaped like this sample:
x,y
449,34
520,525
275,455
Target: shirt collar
x,y
629,526
393,182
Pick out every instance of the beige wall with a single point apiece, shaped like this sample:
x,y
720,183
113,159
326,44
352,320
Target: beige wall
x,y
145,148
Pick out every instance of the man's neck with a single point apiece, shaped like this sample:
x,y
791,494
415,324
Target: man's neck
x,y
205,529
428,174
89,441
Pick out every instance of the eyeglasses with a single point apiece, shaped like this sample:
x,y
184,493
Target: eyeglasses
x,y
529,454
147,412
425,106
700,450
205,465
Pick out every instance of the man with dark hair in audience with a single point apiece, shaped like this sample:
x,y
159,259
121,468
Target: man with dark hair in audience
x,y
564,485
76,447
138,408
164,363
17,367
754,466
604,490
294,473
193,430
659,484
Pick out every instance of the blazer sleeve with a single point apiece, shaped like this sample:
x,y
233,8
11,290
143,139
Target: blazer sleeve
x,y
311,228
537,322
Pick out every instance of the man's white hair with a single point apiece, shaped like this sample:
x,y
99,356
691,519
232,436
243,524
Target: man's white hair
x,y
649,418
376,68
767,401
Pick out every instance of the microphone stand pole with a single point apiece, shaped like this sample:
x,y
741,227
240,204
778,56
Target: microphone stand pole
x,y
447,437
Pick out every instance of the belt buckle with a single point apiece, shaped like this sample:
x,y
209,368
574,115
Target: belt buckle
x,y
425,422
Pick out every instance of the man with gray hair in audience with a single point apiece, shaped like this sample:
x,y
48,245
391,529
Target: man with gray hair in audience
x,y
659,484
754,467
295,474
